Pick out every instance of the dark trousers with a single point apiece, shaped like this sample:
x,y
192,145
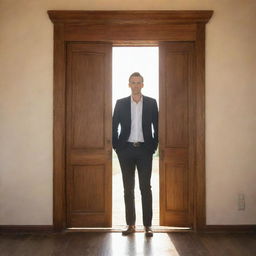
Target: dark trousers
x,y
129,158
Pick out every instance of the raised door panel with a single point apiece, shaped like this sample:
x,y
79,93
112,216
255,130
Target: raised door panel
x,y
176,191
88,100
177,100
91,177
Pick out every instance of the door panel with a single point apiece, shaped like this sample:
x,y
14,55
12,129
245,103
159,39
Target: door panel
x,y
176,133
92,177
177,194
87,99
176,93
88,135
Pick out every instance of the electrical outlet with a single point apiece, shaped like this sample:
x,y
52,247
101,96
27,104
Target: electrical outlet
x,y
241,202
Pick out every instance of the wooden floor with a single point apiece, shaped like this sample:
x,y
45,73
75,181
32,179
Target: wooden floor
x,y
82,243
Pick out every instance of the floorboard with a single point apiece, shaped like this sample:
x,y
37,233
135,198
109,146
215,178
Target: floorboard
x,y
103,243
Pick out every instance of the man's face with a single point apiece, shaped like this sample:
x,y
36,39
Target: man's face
x,y
136,84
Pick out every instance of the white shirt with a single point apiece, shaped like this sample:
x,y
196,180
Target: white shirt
x,y
136,134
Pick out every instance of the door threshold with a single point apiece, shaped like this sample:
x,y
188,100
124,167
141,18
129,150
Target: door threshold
x,y
139,229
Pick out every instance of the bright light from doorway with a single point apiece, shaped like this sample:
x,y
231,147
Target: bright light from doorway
x,y
127,60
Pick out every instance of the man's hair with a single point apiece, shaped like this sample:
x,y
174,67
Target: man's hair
x,y
137,74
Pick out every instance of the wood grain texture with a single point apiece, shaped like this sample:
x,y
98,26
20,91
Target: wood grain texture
x,y
172,244
88,134
208,229
59,119
176,173
200,128
177,193
128,32
116,26
129,17
87,98
176,88
92,179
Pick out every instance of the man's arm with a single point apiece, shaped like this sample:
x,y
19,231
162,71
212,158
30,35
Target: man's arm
x,y
115,123
155,124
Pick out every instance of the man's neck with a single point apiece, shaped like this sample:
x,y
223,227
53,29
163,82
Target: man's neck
x,y
136,97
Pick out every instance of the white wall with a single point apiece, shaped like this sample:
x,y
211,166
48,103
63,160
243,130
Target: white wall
x,y
26,105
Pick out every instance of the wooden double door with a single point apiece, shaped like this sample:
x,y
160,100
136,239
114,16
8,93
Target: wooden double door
x,y
88,183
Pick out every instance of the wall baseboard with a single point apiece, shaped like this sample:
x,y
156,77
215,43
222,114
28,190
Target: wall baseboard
x,y
26,228
229,228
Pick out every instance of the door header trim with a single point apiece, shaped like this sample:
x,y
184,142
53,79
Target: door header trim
x,y
130,17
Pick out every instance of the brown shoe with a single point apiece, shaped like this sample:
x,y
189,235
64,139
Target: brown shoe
x,y
130,229
148,231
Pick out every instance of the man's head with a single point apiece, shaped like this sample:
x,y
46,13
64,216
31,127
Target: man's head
x,y
136,83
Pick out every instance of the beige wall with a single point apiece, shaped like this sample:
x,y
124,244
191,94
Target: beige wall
x,y
26,105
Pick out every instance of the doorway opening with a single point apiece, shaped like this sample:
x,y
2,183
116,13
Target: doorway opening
x,y
125,61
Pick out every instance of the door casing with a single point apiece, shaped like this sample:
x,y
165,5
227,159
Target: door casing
x,y
127,28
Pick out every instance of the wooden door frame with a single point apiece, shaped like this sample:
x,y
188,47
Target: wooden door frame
x,y
126,27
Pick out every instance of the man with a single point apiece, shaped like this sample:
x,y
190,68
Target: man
x,y
135,146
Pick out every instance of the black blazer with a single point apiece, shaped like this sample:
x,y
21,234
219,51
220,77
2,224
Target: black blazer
x,y
122,116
